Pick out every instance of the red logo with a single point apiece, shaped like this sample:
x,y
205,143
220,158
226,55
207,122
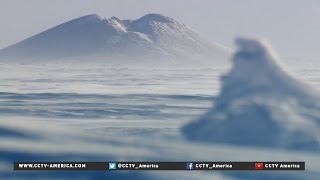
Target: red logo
x,y
258,165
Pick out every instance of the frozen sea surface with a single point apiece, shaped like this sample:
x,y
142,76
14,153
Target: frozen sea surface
x,y
54,112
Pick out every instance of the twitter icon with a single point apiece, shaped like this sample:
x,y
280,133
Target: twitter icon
x,y
112,165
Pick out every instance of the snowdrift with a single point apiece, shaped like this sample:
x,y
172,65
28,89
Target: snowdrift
x,y
260,104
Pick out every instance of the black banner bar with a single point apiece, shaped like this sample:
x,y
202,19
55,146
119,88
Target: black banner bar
x,y
159,166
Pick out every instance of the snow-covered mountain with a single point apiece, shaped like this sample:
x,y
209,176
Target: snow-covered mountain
x,y
149,38
261,104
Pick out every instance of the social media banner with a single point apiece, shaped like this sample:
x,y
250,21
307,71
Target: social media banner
x,y
115,166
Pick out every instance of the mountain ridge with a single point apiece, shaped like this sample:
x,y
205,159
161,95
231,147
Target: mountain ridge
x,y
151,36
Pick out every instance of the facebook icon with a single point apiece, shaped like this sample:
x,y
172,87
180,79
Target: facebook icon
x,y
189,165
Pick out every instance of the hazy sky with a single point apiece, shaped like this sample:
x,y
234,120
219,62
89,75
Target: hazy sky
x,y
292,26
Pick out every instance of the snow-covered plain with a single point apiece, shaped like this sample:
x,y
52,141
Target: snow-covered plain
x,y
60,113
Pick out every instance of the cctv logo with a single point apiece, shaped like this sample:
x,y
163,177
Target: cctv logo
x,y
189,166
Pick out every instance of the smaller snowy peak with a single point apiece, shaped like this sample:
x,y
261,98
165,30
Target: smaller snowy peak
x,y
156,17
155,24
